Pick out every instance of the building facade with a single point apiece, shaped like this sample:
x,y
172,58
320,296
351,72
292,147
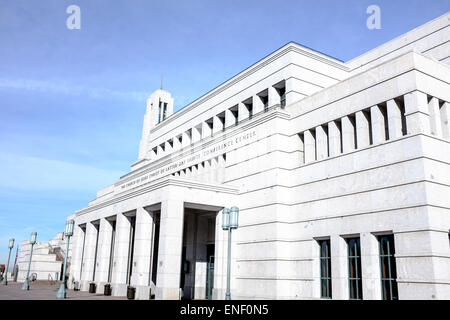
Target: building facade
x,y
340,171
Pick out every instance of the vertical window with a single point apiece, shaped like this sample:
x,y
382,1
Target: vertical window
x,y
325,269
388,268
159,111
249,107
282,93
164,111
383,109
354,269
265,102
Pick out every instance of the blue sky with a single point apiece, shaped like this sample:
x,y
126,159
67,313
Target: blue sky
x,y
72,101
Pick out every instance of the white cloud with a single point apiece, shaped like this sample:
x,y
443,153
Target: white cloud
x,y
32,173
70,89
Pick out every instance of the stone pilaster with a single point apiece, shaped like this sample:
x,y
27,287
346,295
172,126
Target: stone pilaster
x,y
321,143
170,249
378,128
310,146
142,253
416,113
348,134
120,263
339,268
362,129
370,267
243,112
334,136
103,255
445,120
394,119
435,117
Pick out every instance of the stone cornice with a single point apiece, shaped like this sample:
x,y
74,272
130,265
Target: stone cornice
x,y
158,184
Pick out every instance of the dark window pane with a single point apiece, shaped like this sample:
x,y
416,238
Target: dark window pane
x,y
354,268
388,268
325,269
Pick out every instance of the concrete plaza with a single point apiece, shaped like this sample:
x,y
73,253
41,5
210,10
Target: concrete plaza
x,y
46,291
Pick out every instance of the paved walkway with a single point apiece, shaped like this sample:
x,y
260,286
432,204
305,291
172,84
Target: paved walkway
x,y
13,291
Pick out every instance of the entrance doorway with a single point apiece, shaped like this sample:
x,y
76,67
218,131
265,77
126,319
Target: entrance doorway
x,y
197,267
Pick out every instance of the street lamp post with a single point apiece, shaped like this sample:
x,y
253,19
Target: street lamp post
x,y
10,246
230,219
26,284
68,233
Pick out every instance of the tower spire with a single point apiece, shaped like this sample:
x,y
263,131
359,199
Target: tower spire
x,y
161,83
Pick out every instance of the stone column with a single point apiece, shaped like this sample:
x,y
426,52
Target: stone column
x,y
77,252
310,146
321,143
160,152
370,267
445,120
120,264
416,113
188,172
206,130
213,170
153,154
315,271
196,134
140,277
170,249
229,118
243,112
362,130
394,115
274,97
339,268
89,254
104,248
217,124
207,171
200,172
168,147
334,137
221,169
258,105
194,172
348,134
378,129
435,117
176,144
185,140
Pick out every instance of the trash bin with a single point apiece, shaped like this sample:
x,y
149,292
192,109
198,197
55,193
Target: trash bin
x,y
92,287
107,290
131,292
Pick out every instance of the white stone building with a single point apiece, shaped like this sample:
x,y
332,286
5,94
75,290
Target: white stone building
x,y
46,260
340,171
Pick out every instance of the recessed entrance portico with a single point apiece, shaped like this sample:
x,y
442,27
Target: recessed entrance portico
x,y
197,271
163,240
